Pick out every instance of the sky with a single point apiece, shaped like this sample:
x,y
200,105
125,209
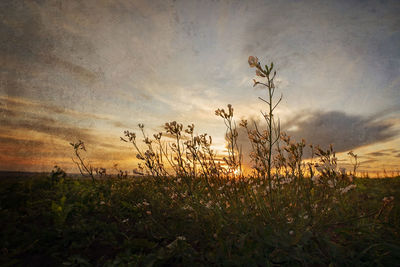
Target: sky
x,y
88,70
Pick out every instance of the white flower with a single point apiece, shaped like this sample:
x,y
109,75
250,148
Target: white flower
x,y
388,199
347,189
253,61
187,207
291,232
315,179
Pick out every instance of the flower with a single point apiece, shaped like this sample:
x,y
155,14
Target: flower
x,y
315,179
253,61
187,207
347,189
387,200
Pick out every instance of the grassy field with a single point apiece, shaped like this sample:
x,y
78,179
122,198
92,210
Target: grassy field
x,y
181,221
191,206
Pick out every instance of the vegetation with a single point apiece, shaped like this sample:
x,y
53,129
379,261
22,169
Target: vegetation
x,y
150,221
188,205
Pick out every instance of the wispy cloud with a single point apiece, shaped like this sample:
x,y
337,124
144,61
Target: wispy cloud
x,y
377,154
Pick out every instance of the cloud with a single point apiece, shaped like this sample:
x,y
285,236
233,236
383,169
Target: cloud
x,y
384,152
24,37
79,72
23,31
50,127
368,161
24,121
343,130
20,107
377,154
15,142
38,60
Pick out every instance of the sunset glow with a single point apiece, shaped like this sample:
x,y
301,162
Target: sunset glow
x,y
88,70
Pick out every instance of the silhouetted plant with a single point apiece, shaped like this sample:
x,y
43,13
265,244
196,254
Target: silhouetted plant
x,y
263,142
120,173
354,161
234,158
183,154
84,167
101,172
57,173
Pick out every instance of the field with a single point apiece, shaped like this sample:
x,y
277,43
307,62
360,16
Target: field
x,y
186,205
149,221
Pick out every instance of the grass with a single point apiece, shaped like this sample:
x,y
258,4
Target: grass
x,y
149,221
